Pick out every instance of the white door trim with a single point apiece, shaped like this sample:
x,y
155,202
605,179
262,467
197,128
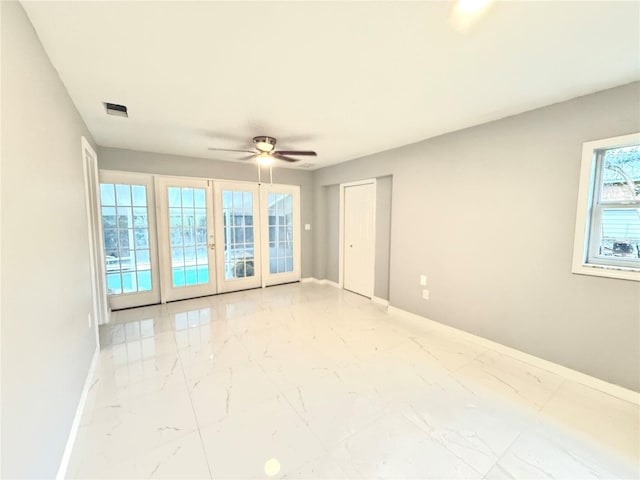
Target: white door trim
x,y
343,186
94,229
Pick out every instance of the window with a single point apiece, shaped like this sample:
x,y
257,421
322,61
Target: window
x,y
607,239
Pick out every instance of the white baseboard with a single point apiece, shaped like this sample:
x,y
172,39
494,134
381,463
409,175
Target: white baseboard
x,y
565,372
380,301
66,456
322,281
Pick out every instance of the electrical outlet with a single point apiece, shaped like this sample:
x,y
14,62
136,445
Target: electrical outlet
x,y
89,319
307,226
425,294
423,280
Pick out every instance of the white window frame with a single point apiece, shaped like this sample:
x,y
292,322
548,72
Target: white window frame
x,y
587,219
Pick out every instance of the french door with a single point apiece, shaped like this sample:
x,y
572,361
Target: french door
x,y
175,238
238,232
186,237
130,247
280,218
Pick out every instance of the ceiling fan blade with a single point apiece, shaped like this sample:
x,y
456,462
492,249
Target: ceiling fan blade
x,y
279,156
230,150
296,152
248,157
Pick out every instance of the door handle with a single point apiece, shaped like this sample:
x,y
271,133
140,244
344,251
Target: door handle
x,y
212,246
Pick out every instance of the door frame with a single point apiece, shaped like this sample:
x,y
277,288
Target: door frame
x,y
343,186
94,228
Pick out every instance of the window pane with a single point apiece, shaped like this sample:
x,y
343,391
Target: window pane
x,y
108,217
140,217
237,200
177,257
142,238
114,285
187,197
620,233
621,174
178,277
143,259
201,254
107,194
123,195
139,196
144,280
199,198
174,197
203,274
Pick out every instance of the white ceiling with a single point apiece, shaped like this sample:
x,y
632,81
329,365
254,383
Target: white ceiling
x,y
343,78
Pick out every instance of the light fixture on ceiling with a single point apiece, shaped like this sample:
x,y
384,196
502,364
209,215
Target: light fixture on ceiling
x,y
264,158
264,143
471,6
467,12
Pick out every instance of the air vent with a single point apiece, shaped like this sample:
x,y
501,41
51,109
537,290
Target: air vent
x,y
115,109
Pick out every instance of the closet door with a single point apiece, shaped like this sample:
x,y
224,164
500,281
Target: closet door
x,y
359,238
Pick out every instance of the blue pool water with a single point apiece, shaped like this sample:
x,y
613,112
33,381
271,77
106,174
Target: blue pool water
x,y
141,281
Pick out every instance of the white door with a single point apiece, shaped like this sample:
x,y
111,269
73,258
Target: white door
x,y
186,237
128,230
281,233
237,207
359,238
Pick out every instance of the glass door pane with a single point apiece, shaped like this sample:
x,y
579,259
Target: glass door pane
x,y
187,242
189,239
128,233
237,230
281,222
280,212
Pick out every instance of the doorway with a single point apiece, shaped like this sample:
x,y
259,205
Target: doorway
x,y
174,238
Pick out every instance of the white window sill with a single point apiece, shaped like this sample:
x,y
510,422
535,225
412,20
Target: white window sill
x,y
621,273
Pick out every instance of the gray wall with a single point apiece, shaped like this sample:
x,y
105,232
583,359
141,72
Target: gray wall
x,y
47,345
488,214
383,236
162,164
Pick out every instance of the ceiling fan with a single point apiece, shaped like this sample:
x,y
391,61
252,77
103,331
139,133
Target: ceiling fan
x,y
265,152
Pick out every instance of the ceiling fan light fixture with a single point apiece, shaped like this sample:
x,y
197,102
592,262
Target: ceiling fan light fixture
x,y
264,144
264,159
471,6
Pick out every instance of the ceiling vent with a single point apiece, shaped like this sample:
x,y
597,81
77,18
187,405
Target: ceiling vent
x,y
306,165
115,109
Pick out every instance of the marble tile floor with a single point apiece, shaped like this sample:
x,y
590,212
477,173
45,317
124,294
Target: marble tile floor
x,y
305,381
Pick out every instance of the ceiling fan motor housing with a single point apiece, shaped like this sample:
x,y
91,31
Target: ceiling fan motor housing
x,y
264,143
